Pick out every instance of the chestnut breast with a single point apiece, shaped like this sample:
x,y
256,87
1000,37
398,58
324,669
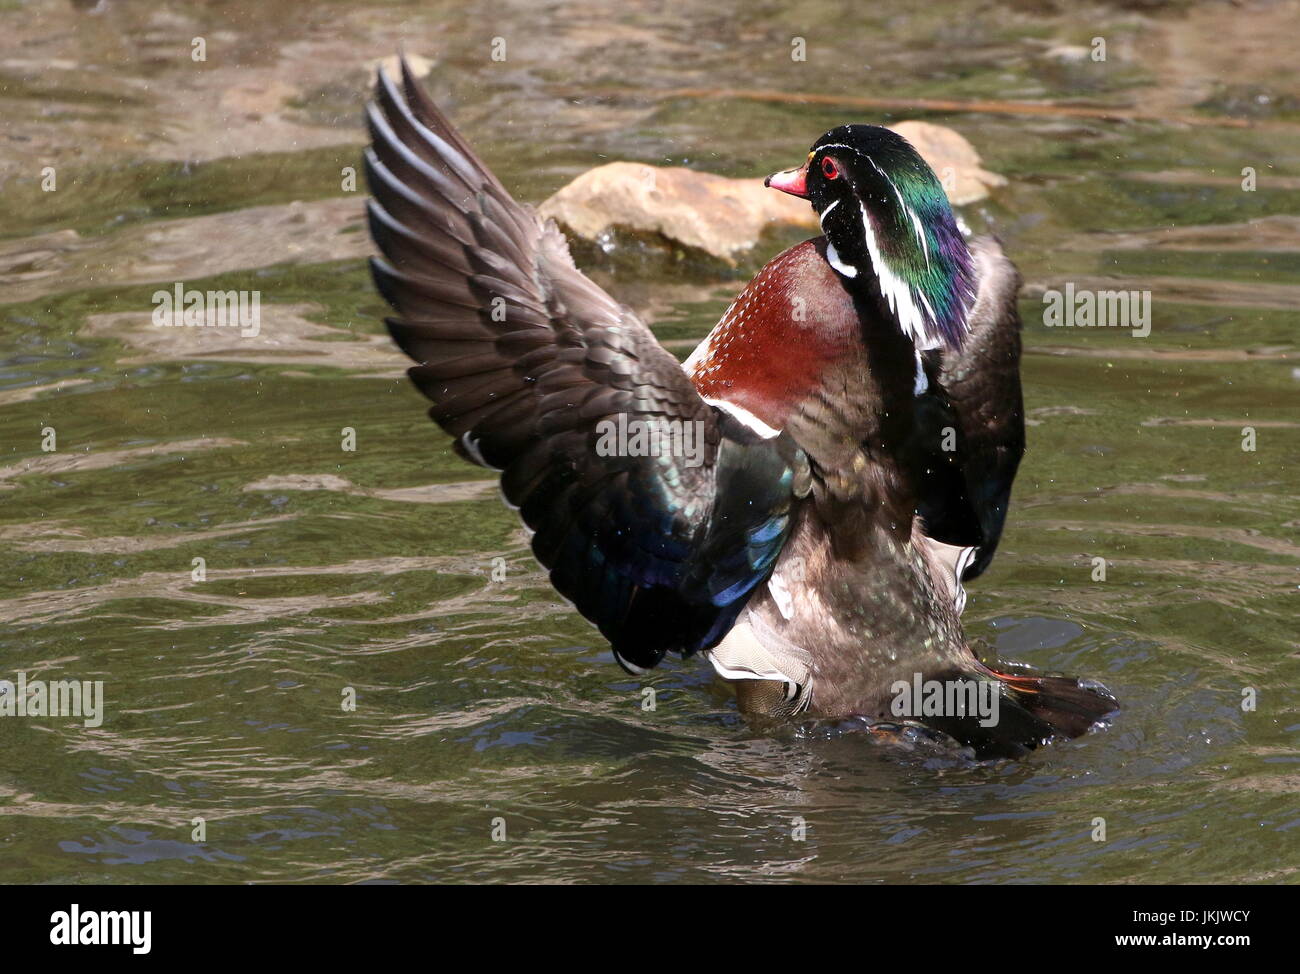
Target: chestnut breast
x,y
769,351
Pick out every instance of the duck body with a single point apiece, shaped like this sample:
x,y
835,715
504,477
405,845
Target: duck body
x,y
852,590
862,596
857,409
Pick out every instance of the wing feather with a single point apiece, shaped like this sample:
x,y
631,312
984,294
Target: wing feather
x,y
524,359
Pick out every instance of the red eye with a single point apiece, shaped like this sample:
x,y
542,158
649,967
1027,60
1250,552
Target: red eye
x,y
829,169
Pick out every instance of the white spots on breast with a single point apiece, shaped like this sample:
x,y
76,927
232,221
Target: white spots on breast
x,y
745,312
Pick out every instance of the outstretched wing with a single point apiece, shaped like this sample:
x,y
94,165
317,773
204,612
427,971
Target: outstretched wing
x,y
967,488
539,374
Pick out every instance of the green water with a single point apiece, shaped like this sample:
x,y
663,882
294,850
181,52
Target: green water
x,y
482,698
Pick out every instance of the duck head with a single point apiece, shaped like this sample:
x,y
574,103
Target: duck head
x,y
889,229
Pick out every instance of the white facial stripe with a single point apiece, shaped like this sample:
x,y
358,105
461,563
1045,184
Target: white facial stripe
x,y
897,292
920,235
916,223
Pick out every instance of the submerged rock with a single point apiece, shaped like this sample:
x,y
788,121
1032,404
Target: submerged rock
x,y
723,218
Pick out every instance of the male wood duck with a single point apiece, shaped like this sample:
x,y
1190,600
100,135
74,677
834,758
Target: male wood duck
x,y
859,418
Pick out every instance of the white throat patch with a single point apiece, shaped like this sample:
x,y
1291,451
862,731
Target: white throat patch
x,y
833,258
833,255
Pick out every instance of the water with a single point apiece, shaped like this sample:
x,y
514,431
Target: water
x,y
482,700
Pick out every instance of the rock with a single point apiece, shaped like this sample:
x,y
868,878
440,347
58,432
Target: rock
x,y
717,215
953,159
725,217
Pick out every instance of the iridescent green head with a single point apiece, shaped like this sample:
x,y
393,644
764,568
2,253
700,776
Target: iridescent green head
x,y
887,221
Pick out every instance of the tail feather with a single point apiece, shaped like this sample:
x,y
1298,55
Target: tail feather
x,y
1070,706
1032,711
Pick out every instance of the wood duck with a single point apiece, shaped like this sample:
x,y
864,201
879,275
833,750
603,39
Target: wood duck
x,y
857,416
